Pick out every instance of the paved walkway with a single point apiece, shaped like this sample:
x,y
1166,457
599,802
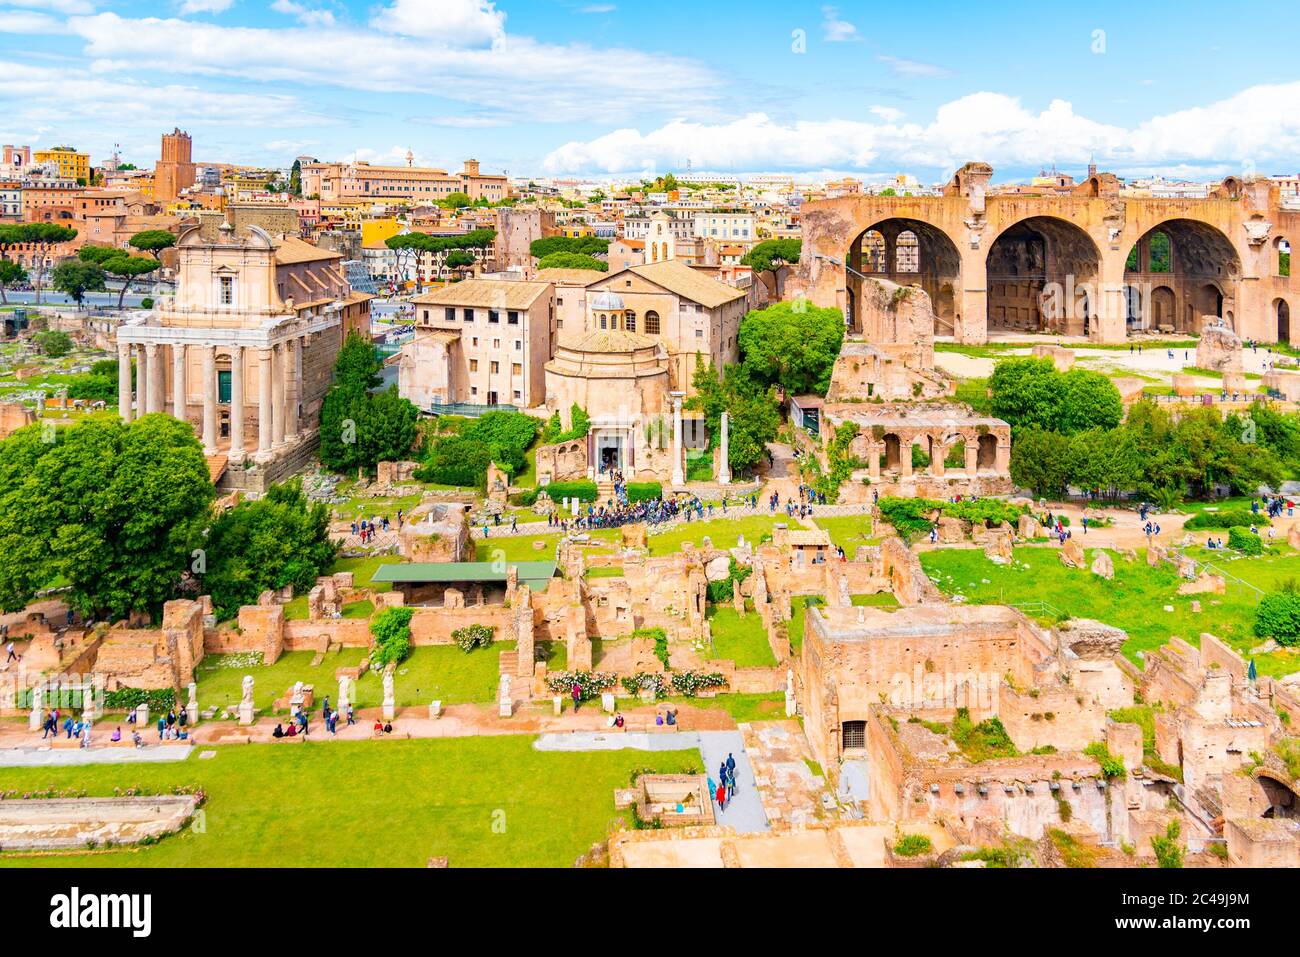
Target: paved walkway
x,y
51,757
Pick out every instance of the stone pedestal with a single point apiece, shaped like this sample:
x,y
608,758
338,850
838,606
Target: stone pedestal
x,y
679,472
505,706
607,702
435,709
390,700
142,716
37,717
192,705
724,465
557,705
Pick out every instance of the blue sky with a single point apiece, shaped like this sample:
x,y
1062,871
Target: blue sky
x,y
606,88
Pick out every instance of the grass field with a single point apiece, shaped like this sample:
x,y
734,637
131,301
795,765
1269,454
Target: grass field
x,y
442,672
848,531
482,801
740,639
1134,600
723,532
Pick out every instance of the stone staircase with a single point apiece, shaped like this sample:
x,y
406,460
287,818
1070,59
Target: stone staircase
x,y
604,491
508,662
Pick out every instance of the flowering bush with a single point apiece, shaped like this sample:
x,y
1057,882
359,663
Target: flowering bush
x,y
473,636
590,683
634,684
690,683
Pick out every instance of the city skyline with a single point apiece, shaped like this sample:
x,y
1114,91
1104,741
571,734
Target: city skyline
x,y
572,88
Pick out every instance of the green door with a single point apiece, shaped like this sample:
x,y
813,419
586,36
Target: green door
x,y
223,386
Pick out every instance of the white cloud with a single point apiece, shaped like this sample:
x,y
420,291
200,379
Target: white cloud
x,y
457,22
913,68
461,122
836,30
887,113
23,21
188,7
598,8
518,76
1250,127
308,16
60,99
69,7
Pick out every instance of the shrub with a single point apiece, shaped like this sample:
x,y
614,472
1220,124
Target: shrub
x,y
583,491
690,683
644,492
392,631
590,683
93,388
128,699
913,845
1169,853
721,592
1111,766
456,460
634,684
1278,617
473,636
1245,541
146,302
1228,518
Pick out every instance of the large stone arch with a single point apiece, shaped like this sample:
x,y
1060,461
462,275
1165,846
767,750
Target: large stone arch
x,y
933,263
1195,261
1041,275
1282,316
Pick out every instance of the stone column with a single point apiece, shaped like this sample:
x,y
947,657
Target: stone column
x,y
124,396
277,396
724,466
178,381
905,458
263,400
972,455
237,403
937,453
679,471
141,380
293,388
157,380
209,399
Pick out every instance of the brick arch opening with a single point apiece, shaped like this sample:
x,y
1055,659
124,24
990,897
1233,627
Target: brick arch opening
x,y
908,252
1041,275
1282,313
1195,262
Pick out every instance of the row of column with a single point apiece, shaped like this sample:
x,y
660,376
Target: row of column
x,y
279,389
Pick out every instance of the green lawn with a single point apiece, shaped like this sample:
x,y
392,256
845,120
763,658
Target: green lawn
x,y
740,639
605,571
742,707
1134,600
848,531
882,599
363,569
479,801
723,532
441,672
798,605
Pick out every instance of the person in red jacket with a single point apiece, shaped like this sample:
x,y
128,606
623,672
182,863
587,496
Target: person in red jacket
x,y
722,797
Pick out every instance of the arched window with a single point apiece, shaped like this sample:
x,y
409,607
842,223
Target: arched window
x,y
631,322
1283,257
652,323
907,252
602,320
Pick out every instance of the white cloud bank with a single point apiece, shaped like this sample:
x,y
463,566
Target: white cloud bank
x,y
1255,128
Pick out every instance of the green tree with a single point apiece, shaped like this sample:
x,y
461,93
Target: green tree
x,y
10,273
1103,460
771,254
295,178
118,264
793,345
456,200
572,261
114,509
580,245
1040,460
153,241
44,237
752,412
53,343
281,539
76,278
360,428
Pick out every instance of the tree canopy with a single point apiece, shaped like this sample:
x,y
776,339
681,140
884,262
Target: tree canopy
x,y
77,277
113,509
281,539
580,245
752,411
360,428
771,254
572,261
119,264
1030,392
793,345
153,241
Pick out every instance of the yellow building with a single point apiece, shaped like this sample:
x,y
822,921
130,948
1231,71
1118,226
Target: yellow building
x,y
72,165
375,232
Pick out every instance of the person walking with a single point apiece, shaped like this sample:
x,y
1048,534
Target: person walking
x,y
9,648
576,692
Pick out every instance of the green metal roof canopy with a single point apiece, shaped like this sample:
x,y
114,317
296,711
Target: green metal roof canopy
x,y
535,575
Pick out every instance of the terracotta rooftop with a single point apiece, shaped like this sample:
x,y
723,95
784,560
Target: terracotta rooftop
x,y
291,251
679,278
487,293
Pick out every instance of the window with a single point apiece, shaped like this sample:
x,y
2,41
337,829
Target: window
x,y
474,341
451,314
495,367
473,390
519,345
469,315
494,316
602,322
512,317
853,735
473,365
516,369
652,323
518,395
631,322
496,343
699,333
227,291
